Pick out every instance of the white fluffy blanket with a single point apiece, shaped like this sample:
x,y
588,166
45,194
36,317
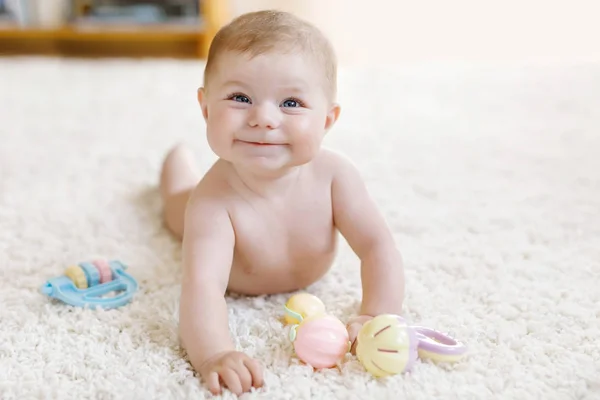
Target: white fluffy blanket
x,y
489,177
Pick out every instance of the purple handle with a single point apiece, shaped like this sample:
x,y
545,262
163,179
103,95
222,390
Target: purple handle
x,y
436,342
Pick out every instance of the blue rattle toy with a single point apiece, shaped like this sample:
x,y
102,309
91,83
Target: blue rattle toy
x,y
84,285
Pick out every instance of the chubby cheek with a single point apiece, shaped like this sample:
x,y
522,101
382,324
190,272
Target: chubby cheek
x,y
307,139
216,141
221,125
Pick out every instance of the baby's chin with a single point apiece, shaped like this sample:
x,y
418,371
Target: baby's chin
x,y
266,166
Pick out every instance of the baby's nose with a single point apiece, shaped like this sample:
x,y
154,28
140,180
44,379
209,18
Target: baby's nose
x,y
265,116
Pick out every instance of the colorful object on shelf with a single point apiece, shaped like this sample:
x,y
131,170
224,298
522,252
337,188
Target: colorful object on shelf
x,y
85,284
320,341
301,306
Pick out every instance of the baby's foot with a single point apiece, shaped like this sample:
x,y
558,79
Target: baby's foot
x,y
179,172
178,177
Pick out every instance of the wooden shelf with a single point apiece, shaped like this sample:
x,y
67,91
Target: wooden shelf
x,y
101,39
102,32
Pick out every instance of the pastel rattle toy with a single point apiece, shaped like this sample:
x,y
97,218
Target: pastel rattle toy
x,y
387,345
302,305
437,347
84,285
320,341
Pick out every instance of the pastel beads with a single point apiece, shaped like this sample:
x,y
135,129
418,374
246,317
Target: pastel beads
x,y
104,269
76,274
86,275
91,273
96,284
320,341
301,306
386,345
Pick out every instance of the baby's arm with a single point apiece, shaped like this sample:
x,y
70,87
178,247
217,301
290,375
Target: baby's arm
x,y
208,244
361,223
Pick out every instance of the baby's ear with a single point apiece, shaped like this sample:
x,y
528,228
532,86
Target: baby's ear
x,y
202,102
332,116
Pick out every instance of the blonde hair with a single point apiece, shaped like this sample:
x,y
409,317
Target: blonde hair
x,y
262,32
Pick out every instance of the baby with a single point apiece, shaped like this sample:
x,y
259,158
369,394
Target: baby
x,y
264,218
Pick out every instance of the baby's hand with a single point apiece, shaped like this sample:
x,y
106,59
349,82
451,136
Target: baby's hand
x,y
353,327
237,371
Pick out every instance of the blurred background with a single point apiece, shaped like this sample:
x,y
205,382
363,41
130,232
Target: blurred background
x,y
391,31
380,31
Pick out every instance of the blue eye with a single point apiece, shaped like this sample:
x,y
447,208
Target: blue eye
x,y
291,103
239,98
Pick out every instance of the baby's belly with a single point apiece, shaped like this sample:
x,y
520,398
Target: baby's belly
x,y
271,275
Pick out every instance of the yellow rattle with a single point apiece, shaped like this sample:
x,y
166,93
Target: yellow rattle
x,y
387,345
301,306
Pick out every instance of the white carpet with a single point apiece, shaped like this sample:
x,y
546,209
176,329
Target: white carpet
x,y
489,177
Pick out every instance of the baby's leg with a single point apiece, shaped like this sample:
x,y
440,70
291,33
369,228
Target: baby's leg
x,y
178,177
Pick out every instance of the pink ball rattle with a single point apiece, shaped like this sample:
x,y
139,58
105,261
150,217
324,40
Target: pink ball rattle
x,y
320,340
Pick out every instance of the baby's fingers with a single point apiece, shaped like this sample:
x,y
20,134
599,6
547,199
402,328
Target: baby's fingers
x,y
232,380
213,384
244,376
353,330
256,371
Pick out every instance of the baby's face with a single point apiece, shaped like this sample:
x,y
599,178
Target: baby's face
x,y
269,112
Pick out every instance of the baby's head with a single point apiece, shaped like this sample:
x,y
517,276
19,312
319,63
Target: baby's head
x,y
269,90
275,32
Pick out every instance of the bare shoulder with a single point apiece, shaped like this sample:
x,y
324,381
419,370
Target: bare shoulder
x,y
337,165
213,191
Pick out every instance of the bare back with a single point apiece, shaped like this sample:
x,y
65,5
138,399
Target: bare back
x,y
284,243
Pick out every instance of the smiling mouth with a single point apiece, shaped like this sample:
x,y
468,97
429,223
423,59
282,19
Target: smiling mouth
x,y
260,143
